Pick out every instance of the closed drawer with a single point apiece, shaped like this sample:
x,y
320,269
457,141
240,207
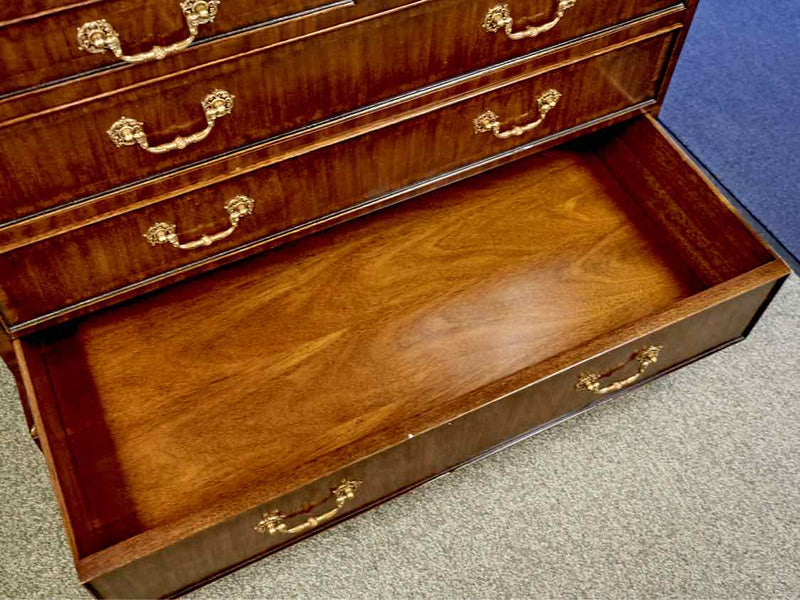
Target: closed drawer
x,y
384,351
65,153
85,263
44,47
56,42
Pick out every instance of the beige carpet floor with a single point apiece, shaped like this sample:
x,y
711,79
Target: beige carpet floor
x,y
686,488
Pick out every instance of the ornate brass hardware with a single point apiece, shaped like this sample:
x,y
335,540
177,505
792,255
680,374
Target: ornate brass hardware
x,y
273,522
127,131
99,36
591,381
166,233
499,17
490,122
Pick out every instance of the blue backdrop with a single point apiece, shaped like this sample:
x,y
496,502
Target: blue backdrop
x,y
735,103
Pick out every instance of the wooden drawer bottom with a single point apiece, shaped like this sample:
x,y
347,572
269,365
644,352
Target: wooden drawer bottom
x,y
197,428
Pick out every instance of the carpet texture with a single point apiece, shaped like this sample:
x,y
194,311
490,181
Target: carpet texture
x,y
686,488
734,101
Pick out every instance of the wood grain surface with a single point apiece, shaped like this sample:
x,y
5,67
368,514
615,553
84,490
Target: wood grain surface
x,y
681,202
277,88
42,47
82,211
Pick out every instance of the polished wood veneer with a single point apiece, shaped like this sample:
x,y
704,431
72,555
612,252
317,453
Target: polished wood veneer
x,y
160,422
278,88
39,46
84,263
82,211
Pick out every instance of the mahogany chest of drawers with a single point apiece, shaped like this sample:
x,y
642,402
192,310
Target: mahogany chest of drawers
x,y
264,265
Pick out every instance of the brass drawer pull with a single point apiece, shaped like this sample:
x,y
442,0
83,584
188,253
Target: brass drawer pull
x,y
127,131
99,36
499,17
165,233
273,522
591,381
489,121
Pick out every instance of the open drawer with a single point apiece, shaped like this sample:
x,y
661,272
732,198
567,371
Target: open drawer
x,y
198,428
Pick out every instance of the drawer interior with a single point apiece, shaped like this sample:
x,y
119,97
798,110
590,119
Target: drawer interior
x,y
222,392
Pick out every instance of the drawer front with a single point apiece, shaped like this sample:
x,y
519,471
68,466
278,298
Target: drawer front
x,y
66,154
11,11
423,456
113,253
46,48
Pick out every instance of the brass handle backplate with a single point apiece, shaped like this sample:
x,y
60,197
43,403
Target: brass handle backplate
x,y
645,357
99,36
128,132
166,233
490,122
274,521
499,17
